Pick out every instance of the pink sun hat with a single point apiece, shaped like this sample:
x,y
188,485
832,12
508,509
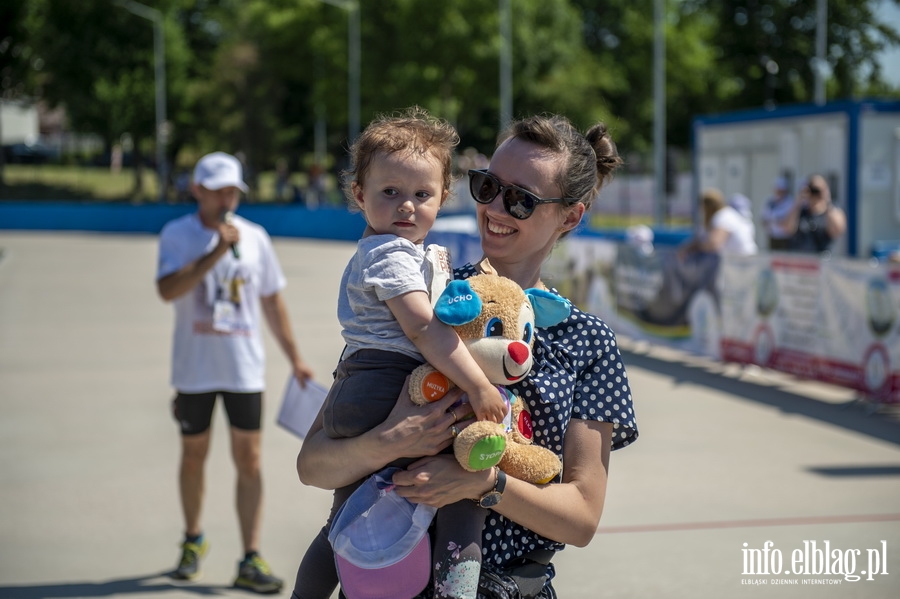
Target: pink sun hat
x,y
381,544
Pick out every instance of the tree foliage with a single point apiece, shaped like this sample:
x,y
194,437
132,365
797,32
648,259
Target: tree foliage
x,y
768,47
256,76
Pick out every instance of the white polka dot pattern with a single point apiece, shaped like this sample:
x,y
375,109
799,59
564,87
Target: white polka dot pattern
x,y
577,373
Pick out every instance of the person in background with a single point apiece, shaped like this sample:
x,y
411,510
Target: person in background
x,y
541,179
744,207
640,237
776,209
283,189
814,221
724,231
221,274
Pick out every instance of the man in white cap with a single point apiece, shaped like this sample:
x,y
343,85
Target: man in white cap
x,y
221,274
776,210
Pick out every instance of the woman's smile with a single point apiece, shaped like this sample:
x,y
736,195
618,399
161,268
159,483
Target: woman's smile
x,y
497,228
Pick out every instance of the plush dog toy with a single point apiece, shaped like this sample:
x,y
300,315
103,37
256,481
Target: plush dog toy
x,y
495,319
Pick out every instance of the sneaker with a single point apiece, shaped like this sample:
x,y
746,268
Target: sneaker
x,y
254,574
191,554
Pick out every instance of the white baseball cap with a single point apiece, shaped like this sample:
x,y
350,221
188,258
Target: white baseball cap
x,y
218,170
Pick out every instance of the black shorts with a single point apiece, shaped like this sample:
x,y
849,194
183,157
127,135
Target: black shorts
x,y
194,411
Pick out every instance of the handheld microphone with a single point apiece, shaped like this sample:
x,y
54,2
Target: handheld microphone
x,y
227,218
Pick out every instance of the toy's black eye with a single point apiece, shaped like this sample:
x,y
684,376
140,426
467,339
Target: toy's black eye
x,y
526,336
494,328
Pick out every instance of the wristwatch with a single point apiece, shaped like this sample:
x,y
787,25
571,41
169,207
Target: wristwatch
x,y
493,497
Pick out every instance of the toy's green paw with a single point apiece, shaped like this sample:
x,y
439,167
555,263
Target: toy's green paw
x,y
486,453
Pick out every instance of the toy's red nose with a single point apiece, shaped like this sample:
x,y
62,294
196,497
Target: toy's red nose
x,y
518,351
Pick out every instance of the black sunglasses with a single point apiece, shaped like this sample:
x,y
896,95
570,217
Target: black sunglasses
x,y
519,203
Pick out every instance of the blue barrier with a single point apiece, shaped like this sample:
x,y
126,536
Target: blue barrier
x,y
882,250
278,219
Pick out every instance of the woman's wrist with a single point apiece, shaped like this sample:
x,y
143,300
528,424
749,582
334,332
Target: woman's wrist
x,y
486,483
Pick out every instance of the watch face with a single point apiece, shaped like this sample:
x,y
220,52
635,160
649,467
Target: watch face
x,y
490,500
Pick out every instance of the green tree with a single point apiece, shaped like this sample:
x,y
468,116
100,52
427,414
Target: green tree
x,y
287,66
620,34
20,65
255,76
99,62
767,47
451,65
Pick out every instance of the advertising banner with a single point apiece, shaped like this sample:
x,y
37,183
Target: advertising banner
x,y
773,316
861,343
833,320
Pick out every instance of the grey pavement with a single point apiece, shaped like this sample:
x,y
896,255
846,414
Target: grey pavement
x,y
88,451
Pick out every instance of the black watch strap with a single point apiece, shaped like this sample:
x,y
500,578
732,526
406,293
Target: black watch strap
x,y
493,497
500,485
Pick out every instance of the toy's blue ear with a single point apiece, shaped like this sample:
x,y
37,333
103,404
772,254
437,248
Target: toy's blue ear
x,y
549,308
458,304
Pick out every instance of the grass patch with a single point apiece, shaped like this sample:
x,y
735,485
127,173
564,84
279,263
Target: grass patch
x,y
623,221
51,182
58,182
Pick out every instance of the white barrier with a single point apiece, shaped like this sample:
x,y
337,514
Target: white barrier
x,y
835,320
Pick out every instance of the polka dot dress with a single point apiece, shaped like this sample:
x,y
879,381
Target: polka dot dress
x,y
577,373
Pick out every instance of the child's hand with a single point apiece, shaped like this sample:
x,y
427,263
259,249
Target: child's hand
x,y
488,404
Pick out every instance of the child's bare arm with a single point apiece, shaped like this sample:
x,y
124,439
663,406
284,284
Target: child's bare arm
x,y
442,347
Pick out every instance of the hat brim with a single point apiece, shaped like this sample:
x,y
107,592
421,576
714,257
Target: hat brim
x,y
216,183
402,580
380,542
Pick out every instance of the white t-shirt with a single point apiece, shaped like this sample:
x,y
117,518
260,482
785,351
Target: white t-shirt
x,y
219,354
384,267
740,240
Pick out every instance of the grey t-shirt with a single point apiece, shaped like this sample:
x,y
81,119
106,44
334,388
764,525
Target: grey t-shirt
x,y
384,267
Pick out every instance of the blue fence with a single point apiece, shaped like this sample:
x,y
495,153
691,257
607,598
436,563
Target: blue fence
x,y
278,220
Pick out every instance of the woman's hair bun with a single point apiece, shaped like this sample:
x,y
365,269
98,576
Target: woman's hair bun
x,y
608,159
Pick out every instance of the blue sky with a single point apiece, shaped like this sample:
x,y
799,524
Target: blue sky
x,y
890,61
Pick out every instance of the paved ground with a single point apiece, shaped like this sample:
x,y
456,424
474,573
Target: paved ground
x,y
88,503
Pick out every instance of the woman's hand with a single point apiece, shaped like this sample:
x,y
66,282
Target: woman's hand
x,y
440,480
408,431
413,431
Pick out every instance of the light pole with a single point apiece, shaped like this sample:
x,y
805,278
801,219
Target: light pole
x,y
820,64
159,59
353,61
506,103
659,109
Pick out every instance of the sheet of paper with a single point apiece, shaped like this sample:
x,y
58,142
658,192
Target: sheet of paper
x,y
300,406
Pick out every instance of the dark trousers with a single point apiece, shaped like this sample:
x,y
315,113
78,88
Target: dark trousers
x,y
365,390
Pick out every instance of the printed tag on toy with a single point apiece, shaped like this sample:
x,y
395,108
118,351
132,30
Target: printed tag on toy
x,y
438,273
224,316
508,399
